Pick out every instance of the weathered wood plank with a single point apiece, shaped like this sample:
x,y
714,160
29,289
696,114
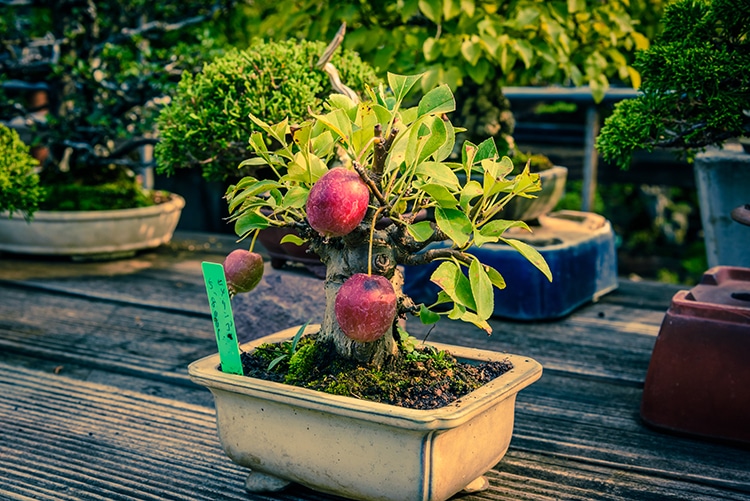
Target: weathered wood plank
x,y
601,340
64,439
597,423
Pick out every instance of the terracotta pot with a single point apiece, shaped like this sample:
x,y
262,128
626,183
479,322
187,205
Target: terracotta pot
x,y
360,449
91,234
698,380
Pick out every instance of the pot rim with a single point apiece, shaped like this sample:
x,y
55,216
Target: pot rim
x,y
175,202
525,371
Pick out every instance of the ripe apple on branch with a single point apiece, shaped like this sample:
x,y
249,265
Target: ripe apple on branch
x,y
370,186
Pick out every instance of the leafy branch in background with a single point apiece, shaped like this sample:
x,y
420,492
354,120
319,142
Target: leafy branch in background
x,y
455,42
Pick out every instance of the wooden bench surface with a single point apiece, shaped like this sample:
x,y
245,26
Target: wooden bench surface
x,y
95,402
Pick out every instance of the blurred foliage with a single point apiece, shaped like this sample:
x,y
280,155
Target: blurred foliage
x,y
658,229
512,42
107,67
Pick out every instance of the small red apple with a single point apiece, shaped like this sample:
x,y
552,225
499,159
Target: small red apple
x,y
243,270
337,202
366,307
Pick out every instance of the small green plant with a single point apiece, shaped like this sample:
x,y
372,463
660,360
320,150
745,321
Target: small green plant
x,y
206,125
19,183
695,90
414,198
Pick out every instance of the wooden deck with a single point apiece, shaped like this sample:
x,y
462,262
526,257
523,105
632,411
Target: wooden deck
x,y
95,401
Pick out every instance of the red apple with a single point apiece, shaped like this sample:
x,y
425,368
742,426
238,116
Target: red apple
x,y
243,270
337,202
366,307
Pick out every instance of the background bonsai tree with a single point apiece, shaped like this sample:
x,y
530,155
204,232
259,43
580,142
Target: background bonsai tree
x,y
106,67
696,84
19,183
389,194
206,124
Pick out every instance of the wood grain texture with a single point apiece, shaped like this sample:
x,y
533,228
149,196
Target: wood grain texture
x,y
95,402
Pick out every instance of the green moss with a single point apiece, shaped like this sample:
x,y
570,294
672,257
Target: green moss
x,y
108,196
422,378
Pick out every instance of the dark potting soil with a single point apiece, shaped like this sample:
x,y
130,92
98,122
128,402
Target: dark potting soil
x,y
420,379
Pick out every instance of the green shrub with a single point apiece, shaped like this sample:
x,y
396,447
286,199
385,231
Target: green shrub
x,y
19,183
207,123
696,84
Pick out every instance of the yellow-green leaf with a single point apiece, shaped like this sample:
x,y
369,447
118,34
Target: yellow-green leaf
x,y
531,254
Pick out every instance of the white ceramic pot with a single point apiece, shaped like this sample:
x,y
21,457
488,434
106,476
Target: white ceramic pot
x,y
106,233
360,449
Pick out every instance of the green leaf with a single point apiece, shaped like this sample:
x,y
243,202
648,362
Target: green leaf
x,y
254,189
525,50
295,197
250,221
492,231
451,8
436,140
402,84
338,122
531,254
449,277
495,277
455,224
440,194
437,101
486,149
481,289
432,9
469,192
471,50
427,316
479,322
431,49
420,231
438,172
292,239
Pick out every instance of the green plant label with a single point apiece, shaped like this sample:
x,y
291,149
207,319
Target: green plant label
x,y
223,319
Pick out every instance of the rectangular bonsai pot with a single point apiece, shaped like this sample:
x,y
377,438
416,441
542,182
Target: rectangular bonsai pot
x,y
360,449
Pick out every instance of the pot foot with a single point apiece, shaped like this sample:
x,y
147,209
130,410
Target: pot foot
x,y
478,485
262,482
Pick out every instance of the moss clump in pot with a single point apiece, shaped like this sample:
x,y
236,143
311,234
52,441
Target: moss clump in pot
x,y
207,123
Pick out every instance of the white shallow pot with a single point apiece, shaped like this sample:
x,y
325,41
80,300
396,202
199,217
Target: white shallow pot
x,y
105,233
360,449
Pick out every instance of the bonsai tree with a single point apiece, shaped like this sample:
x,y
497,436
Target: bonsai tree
x,y
369,186
106,66
206,124
19,183
696,84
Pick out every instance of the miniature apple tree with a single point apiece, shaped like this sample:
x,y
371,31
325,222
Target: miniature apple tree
x,y
371,186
